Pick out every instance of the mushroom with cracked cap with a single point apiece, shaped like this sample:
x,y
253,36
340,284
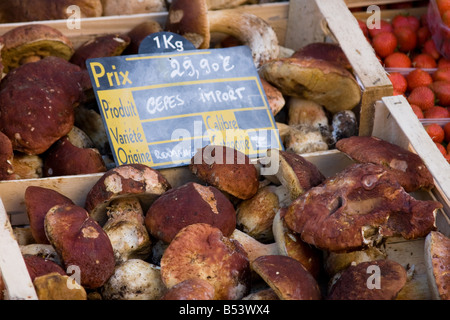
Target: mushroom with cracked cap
x,y
357,208
202,251
125,181
38,201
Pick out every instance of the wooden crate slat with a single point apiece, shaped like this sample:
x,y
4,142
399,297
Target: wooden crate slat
x,y
12,266
396,122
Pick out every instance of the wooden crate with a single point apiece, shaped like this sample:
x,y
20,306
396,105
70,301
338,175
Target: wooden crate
x,y
318,20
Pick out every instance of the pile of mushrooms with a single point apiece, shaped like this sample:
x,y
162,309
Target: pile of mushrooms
x,y
271,237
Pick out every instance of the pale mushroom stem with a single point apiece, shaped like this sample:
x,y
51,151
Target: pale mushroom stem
x,y
253,247
250,30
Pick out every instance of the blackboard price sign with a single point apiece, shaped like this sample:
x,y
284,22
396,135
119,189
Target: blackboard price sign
x,y
160,108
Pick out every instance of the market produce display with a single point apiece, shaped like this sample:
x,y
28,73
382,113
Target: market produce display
x,y
223,227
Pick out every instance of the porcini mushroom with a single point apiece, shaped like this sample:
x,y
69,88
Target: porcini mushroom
x,y
331,52
139,33
407,167
38,266
194,21
126,230
66,158
134,279
73,233
302,139
37,103
27,166
227,169
290,244
326,83
32,42
125,181
303,112
437,260
287,277
357,208
109,45
202,251
188,204
294,172
353,282
38,200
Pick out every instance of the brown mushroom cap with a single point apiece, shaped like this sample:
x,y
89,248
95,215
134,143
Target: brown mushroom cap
x,y
357,208
32,42
323,82
139,33
38,266
63,158
201,251
327,51
80,242
287,277
355,282
125,181
109,45
227,169
190,289
53,286
190,20
37,103
188,204
437,260
38,200
407,167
